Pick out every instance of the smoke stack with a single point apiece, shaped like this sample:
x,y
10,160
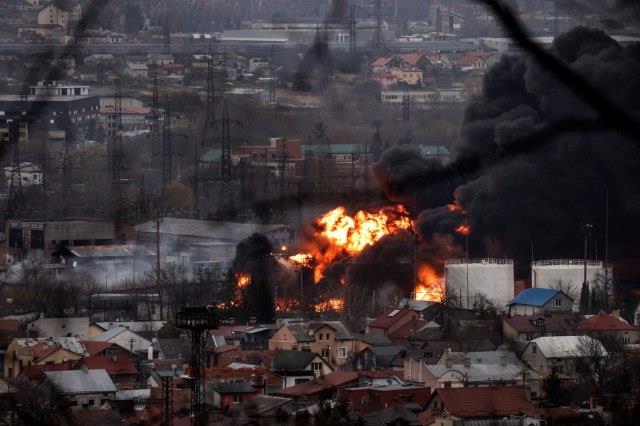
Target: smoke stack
x,y
150,353
467,361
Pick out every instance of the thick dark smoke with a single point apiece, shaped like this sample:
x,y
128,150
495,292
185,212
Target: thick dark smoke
x,y
540,197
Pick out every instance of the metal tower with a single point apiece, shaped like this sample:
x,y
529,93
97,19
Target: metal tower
x,y
115,152
155,106
167,397
67,177
210,107
378,35
406,106
352,28
273,82
167,148
15,202
282,172
225,204
197,321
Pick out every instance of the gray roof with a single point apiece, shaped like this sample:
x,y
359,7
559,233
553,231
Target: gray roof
x,y
176,348
81,381
135,326
480,372
60,327
293,360
375,339
226,231
303,331
563,346
389,355
128,394
108,335
260,404
480,357
72,344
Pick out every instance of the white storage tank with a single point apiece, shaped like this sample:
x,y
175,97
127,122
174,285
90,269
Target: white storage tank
x,y
491,277
566,274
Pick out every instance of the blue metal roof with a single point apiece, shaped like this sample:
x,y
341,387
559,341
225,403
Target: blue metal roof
x,y
534,296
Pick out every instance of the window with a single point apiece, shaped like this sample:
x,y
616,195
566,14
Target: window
x,y
534,349
316,366
320,336
558,302
325,353
342,352
236,398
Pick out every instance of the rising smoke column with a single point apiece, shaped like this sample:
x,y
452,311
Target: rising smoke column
x,y
541,196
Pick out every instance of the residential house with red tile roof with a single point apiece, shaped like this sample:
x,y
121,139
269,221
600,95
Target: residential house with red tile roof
x,y
479,404
386,79
23,352
530,327
381,64
397,324
610,329
477,60
331,384
379,394
415,60
121,369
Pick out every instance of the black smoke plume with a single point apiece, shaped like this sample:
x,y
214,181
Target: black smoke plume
x,y
534,161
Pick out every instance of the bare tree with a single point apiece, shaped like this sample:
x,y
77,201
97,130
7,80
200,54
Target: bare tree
x,y
593,363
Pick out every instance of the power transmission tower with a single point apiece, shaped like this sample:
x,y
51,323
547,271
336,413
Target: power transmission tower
x,y
115,152
210,107
155,106
353,47
406,106
167,397
167,146
273,82
378,35
225,205
15,202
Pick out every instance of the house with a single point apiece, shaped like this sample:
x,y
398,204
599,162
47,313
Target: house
x,y
380,358
261,409
411,76
559,352
83,388
477,369
381,64
494,405
94,348
226,394
299,366
332,384
125,338
406,415
53,15
535,300
121,369
136,71
397,324
386,79
415,60
160,59
477,60
30,174
23,352
146,329
256,337
331,339
610,329
525,328
177,349
59,327
378,394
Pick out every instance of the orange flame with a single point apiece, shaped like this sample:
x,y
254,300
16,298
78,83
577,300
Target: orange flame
x,y
463,229
333,304
301,259
455,208
286,305
243,279
338,234
430,286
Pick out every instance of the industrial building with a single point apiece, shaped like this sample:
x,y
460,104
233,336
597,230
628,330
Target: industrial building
x,y
567,274
491,277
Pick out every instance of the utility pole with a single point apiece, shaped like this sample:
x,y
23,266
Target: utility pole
x,y
587,229
225,204
273,82
406,106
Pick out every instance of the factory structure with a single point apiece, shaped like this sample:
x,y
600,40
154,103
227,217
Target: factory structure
x,y
566,273
494,278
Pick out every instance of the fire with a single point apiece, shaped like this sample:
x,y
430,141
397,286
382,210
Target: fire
x,y
286,305
463,229
301,259
333,304
430,286
455,208
243,279
339,234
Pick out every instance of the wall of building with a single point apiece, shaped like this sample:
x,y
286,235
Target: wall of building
x,y
492,277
